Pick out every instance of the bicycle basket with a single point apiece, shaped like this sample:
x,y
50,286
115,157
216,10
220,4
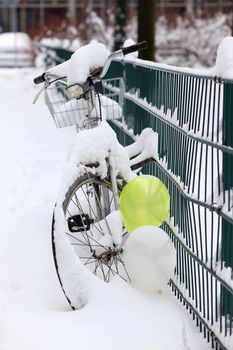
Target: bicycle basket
x,y
66,112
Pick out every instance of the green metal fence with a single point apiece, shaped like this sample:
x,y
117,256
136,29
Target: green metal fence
x,y
193,116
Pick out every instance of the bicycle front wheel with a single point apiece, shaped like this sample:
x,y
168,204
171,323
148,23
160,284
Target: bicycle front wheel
x,y
92,228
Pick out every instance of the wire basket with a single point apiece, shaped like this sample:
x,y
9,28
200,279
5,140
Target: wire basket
x,y
67,112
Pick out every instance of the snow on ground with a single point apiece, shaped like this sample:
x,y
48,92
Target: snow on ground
x,y
33,311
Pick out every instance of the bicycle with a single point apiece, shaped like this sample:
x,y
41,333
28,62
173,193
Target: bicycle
x,y
87,208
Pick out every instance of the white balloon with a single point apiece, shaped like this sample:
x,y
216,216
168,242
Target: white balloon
x,y
150,258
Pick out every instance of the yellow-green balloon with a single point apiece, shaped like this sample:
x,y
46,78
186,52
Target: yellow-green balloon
x,y
145,200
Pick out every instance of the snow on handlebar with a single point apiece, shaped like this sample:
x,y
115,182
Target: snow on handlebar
x,y
80,53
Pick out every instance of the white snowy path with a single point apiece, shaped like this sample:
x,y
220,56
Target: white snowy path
x,y
34,315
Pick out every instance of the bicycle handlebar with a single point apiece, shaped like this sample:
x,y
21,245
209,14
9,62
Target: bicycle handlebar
x,y
136,47
125,50
40,79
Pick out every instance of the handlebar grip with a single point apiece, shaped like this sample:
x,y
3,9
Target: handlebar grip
x,y
40,79
137,47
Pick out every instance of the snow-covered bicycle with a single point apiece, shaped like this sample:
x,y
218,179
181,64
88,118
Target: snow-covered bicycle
x,y
86,219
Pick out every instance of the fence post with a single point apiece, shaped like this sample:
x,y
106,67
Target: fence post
x,y
227,228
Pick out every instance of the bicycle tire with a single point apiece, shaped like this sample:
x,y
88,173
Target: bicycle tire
x,y
86,229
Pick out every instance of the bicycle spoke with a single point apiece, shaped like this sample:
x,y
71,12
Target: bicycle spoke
x,y
97,264
102,267
123,265
92,210
88,243
76,238
89,262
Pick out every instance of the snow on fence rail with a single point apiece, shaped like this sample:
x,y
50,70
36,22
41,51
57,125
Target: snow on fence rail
x,y
192,114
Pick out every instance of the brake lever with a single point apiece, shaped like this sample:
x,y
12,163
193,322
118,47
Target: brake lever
x,y
46,84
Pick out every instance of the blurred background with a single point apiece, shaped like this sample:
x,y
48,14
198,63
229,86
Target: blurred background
x,y
179,32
